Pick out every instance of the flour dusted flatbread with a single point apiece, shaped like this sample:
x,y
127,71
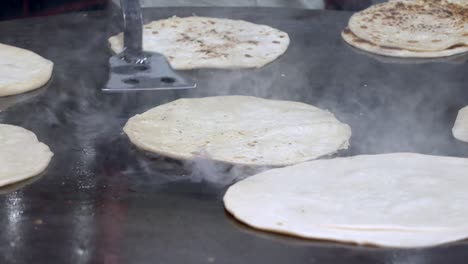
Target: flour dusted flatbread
x,y
205,42
239,130
356,42
21,155
22,70
399,199
460,129
413,25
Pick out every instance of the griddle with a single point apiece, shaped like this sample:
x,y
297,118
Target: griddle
x,y
103,201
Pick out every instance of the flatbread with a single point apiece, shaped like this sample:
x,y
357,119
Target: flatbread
x,y
365,45
239,130
399,199
205,42
460,129
22,156
22,70
412,25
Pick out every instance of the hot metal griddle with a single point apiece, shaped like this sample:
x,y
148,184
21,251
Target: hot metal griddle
x,y
103,201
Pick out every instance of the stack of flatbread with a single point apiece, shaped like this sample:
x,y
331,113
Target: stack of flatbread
x,y
411,28
397,200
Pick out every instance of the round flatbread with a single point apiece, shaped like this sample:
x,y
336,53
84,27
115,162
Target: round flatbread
x,y
412,25
22,70
460,128
365,45
399,199
205,42
22,156
239,130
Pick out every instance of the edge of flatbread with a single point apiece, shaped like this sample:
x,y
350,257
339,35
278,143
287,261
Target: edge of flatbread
x,y
460,128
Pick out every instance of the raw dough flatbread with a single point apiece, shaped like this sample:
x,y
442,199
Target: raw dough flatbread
x,y
460,129
412,25
22,156
22,70
400,199
239,130
356,42
205,42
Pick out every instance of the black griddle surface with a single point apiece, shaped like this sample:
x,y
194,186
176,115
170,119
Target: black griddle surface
x,y
103,201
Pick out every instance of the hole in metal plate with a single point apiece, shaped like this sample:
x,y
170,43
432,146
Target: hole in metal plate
x,y
142,68
130,69
131,81
168,80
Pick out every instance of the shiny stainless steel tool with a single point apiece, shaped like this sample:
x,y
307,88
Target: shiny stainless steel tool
x,y
137,70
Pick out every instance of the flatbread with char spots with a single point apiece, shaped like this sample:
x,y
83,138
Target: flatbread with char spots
x,y
204,42
413,25
239,130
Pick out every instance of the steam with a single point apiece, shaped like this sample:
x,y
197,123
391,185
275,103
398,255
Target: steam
x,y
205,170
391,107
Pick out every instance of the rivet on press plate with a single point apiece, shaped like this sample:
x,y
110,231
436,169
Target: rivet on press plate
x,y
142,67
168,80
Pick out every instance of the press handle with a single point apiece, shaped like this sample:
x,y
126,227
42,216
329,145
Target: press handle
x,y
133,31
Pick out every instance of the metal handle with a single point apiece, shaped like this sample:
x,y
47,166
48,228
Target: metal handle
x,y
133,31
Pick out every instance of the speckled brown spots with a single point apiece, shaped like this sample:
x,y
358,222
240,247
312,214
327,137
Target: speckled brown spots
x,y
252,144
436,40
399,5
413,41
364,27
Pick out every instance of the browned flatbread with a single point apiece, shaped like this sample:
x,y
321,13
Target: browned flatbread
x,y
423,25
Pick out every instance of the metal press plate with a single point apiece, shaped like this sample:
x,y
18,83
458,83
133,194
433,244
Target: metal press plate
x,y
103,201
